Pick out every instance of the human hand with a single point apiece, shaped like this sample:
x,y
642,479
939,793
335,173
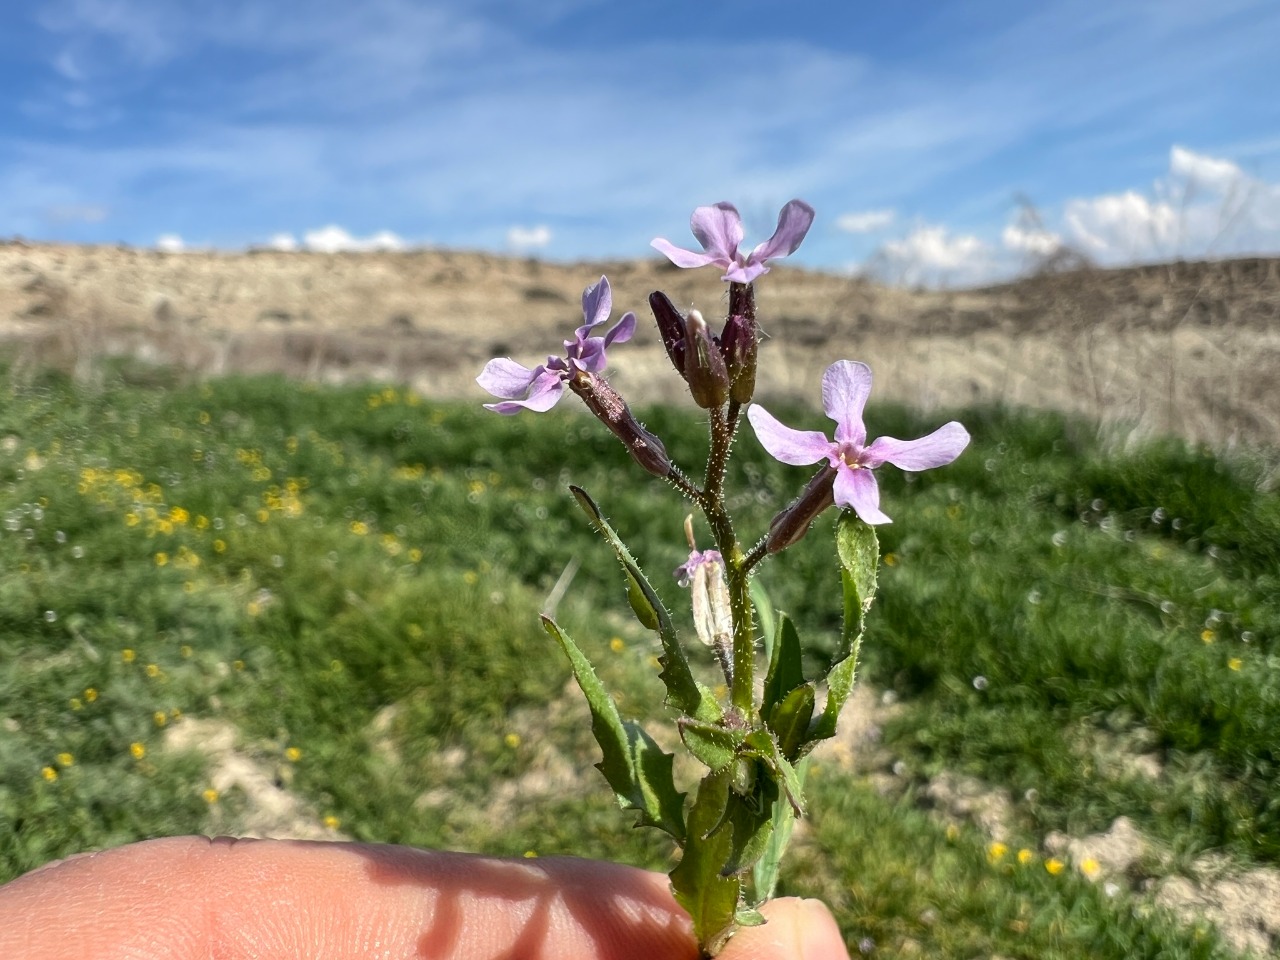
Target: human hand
x,y
184,898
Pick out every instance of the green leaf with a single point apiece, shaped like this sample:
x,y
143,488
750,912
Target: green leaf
x,y
765,872
765,615
785,666
790,720
683,691
859,552
637,769
715,746
766,748
710,898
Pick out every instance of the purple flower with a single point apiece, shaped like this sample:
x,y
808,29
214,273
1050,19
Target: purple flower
x,y
719,230
520,388
684,573
845,388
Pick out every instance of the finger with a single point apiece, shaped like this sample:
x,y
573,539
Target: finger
x,y
189,897
797,930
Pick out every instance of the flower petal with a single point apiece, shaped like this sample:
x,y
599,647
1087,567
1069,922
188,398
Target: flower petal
x,y
936,450
622,331
597,301
587,355
857,489
793,223
719,229
845,388
544,392
796,447
685,258
744,273
505,378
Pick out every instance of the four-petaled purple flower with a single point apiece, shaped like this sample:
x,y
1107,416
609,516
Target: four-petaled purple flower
x,y
719,230
845,388
520,388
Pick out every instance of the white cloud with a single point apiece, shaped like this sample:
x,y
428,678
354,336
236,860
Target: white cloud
x,y
1124,225
932,255
170,243
1036,241
1210,173
334,239
284,242
529,238
866,221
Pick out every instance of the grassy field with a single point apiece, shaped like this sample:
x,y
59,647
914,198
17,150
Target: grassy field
x,y
349,578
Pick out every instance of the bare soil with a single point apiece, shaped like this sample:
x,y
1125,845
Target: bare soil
x,y
1185,348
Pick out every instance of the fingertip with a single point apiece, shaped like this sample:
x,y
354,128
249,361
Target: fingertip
x,y
797,929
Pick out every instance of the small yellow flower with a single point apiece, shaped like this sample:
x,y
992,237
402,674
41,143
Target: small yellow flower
x,y
49,774
159,718
617,645
359,528
1054,866
175,714
1234,663
890,559
186,651
137,750
996,851
210,796
512,740
161,558
331,822
470,577
202,522
153,671
237,664
415,555
1208,636
76,704
253,608
1025,856
90,694
1090,867
178,515
953,832
219,546
65,759
531,854
293,754
131,519
128,655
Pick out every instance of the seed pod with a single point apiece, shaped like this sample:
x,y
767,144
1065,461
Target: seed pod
x,y
792,524
611,410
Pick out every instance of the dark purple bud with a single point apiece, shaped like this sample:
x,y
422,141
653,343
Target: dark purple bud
x,y
740,344
704,367
742,300
611,410
792,524
670,327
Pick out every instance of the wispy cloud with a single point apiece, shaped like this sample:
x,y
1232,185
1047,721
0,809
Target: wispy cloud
x,y
457,120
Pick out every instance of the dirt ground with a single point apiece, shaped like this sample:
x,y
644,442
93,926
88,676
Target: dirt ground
x,y
1187,348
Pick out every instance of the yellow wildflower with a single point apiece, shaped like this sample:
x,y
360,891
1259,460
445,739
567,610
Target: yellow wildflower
x,y
293,754
137,750
49,774
1025,856
128,655
996,851
159,718
210,796
1090,867
90,694
1234,663
65,759
331,822
512,740
1054,866
617,645
153,671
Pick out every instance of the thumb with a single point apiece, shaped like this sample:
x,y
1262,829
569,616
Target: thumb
x,y
797,930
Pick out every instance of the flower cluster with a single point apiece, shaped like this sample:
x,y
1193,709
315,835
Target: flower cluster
x,y
752,738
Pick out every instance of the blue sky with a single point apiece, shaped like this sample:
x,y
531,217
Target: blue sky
x,y
581,128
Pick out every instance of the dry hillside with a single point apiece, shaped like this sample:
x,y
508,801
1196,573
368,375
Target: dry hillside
x,y
1191,348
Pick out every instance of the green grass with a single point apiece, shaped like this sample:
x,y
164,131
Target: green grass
x,y
355,574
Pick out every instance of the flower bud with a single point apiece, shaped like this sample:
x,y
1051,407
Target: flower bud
x,y
611,410
740,343
704,368
792,524
670,328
